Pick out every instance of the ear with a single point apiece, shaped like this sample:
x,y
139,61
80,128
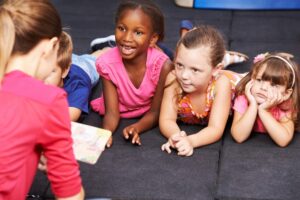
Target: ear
x,y
217,68
66,71
51,46
287,94
154,40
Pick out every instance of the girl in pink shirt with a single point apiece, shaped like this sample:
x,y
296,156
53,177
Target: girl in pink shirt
x,y
34,116
133,73
268,99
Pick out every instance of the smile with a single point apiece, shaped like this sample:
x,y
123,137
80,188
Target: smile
x,y
127,50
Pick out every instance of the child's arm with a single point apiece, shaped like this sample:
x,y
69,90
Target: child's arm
x,y
112,114
168,113
242,124
74,113
150,119
281,131
218,116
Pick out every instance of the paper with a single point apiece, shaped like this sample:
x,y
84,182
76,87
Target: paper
x,y
88,142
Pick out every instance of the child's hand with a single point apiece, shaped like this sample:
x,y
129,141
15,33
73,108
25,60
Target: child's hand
x,y
132,132
184,146
248,93
172,141
166,147
43,164
109,142
274,98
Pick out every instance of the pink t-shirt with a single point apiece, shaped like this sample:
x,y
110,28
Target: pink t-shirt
x,y
241,105
133,102
34,118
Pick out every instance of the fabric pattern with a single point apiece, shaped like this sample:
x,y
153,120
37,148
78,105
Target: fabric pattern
x,y
186,112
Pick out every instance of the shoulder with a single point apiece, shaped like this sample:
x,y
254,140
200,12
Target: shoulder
x,y
156,58
109,56
171,78
28,87
222,82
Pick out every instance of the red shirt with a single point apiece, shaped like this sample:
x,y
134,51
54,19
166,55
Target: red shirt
x,y
34,118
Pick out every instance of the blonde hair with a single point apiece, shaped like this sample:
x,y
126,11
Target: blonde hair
x,y
64,55
280,69
23,24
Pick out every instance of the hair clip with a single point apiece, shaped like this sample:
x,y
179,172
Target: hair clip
x,y
260,57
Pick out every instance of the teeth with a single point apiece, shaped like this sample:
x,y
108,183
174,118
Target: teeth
x,y
127,50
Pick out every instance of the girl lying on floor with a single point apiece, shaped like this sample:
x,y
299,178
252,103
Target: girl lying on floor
x,y
197,91
268,99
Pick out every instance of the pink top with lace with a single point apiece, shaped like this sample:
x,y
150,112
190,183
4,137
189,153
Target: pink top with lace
x,y
186,113
133,102
241,105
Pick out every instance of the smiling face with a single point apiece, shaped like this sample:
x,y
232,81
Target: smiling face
x,y
261,88
134,33
193,69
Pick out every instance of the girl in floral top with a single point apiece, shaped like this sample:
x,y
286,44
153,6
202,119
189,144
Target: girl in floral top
x,y
197,91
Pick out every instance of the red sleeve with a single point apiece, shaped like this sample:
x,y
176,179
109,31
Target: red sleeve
x,y
62,168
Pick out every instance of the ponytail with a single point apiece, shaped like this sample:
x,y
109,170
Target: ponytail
x,y
23,24
7,33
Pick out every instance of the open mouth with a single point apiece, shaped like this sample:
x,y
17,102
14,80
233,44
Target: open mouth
x,y
127,50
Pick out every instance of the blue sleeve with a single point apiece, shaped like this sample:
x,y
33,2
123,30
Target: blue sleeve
x,y
78,86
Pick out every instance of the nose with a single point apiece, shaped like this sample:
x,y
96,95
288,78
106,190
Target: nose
x,y
128,36
185,74
264,85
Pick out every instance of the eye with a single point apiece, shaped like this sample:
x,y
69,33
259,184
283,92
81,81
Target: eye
x,y
195,70
139,33
121,28
178,65
258,80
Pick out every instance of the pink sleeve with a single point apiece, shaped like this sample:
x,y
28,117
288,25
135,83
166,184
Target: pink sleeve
x,y
102,68
62,168
240,104
158,60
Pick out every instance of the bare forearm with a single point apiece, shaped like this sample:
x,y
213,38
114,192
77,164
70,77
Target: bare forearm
x,y
207,135
242,128
148,121
110,122
278,132
168,128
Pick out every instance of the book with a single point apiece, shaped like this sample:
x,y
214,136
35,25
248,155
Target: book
x,y
88,142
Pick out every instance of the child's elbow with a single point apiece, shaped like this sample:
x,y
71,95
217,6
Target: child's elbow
x,y
283,143
237,137
238,140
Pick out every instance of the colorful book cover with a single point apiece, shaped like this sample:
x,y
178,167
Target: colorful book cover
x,y
88,142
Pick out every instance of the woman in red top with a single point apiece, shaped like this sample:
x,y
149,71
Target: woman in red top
x,y
34,116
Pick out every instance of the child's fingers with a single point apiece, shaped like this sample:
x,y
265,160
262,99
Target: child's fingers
x,y
183,152
136,139
166,147
128,132
125,134
182,133
109,142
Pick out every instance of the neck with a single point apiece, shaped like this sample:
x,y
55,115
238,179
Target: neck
x,y
139,61
27,63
